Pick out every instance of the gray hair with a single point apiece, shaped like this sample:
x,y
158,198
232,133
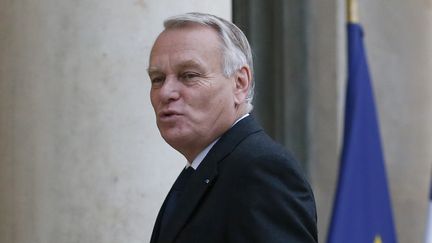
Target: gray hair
x,y
236,51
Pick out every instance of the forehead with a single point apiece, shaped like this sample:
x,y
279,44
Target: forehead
x,y
188,43
189,33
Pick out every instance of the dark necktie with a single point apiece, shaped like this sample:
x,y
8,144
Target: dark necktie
x,y
174,195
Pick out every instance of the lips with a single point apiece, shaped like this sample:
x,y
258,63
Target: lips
x,y
168,115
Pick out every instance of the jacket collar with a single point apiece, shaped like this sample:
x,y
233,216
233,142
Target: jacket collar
x,y
206,175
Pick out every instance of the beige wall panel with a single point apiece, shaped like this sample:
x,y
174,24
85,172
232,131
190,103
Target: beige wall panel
x,y
81,159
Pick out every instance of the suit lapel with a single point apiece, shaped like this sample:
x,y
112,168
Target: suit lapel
x,y
195,189
204,177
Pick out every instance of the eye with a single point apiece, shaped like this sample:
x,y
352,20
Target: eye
x,y
189,75
157,80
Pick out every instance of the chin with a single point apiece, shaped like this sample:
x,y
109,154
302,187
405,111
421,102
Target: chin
x,y
175,139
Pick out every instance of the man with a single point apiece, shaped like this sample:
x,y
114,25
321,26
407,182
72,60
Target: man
x,y
238,185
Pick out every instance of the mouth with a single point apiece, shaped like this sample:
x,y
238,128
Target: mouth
x,y
168,115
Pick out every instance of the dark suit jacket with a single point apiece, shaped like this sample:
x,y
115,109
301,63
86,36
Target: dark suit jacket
x,y
247,189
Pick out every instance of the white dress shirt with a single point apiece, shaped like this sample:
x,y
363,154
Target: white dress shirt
x,y
200,157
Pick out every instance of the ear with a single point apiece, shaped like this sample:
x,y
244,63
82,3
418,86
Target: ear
x,y
243,80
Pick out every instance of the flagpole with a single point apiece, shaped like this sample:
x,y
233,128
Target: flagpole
x,y
352,11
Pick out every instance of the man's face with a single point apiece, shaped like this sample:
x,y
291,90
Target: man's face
x,y
193,101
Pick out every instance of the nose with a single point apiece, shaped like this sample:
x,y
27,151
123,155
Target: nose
x,y
170,90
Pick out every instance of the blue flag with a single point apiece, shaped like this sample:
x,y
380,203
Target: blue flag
x,y
362,209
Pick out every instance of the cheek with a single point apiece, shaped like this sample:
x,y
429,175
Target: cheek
x,y
209,98
220,100
153,98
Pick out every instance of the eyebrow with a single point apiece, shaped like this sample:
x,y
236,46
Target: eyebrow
x,y
152,70
190,64
182,65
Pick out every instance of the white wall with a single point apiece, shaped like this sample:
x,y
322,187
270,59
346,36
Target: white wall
x,y
81,159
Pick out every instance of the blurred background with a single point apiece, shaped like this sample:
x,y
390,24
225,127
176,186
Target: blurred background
x,y
81,159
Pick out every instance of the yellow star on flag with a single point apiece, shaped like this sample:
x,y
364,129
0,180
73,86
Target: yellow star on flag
x,y
377,239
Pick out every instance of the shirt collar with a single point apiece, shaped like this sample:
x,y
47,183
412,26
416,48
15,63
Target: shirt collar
x,y
200,157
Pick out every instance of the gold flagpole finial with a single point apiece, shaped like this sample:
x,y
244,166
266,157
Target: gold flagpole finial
x,y
352,11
